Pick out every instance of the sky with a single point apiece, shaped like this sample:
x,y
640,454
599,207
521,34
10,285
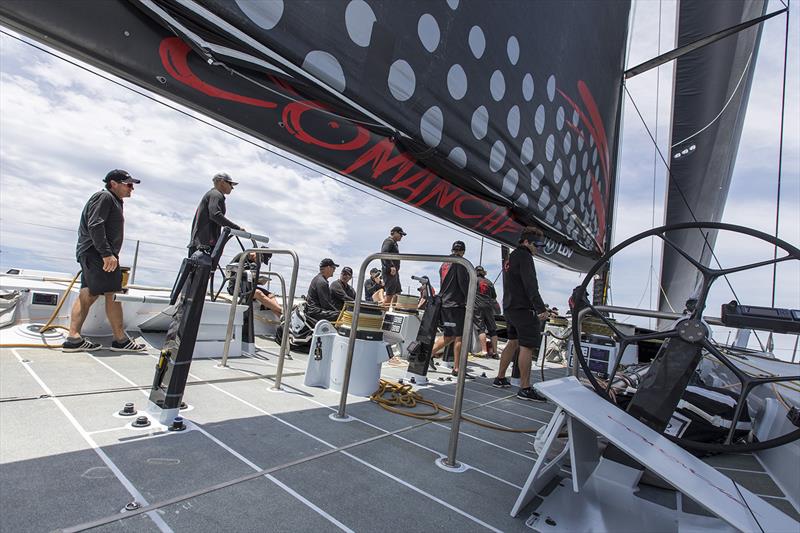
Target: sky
x,y
63,127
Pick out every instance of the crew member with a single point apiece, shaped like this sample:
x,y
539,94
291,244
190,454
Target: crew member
x,y
391,267
210,215
373,287
523,308
100,235
485,300
453,293
319,305
267,299
341,291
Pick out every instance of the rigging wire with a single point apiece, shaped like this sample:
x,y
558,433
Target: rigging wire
x,y
242,138
655,163
780,155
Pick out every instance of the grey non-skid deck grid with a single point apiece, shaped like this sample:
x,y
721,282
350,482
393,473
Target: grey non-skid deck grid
x,y
254,459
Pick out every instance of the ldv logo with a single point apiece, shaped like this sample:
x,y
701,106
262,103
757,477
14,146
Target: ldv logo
x,y
552,247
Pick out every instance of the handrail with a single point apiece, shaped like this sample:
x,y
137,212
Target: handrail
x,y
287,304
450,461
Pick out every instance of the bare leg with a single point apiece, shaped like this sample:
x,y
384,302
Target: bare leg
x,y
493,345
506,357
114,314
440,344
270,302
482,340
525,358
80,309
456,352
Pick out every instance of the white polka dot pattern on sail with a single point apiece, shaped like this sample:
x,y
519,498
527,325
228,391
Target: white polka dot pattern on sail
x,y
497,85
428,31
512,49
359,20
325,67
527,87
480,122
539,119
458,157
510,182
477,42
551,88
512,121
497,157
265,14
402,81
431,126
457,82
526,155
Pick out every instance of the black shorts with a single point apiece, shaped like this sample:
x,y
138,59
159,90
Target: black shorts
x,y
92,274
484,320
391,284
454,316
523,325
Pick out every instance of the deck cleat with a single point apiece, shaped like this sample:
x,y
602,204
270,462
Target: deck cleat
x,y
141,422
177,424
128,410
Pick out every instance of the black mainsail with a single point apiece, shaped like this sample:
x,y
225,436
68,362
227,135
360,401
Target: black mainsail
x,y
489,115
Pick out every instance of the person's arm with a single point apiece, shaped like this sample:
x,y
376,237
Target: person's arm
x,y
351,293
96,217
492,291
531,285
325,301
462,276
216,214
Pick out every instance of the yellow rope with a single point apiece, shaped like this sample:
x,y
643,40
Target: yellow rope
x,y
399,398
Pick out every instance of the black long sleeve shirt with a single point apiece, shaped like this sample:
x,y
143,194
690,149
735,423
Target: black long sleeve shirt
x,y
209,218
389,246
454,285
318,299
520,286
370,288
102,225
341,293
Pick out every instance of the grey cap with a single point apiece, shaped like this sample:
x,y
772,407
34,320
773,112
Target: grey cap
x,y
223,176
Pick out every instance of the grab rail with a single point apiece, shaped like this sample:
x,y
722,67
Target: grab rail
x,y
287,305
450,461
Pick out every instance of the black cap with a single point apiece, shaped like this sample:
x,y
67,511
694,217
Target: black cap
x,y
398,229
121,176
347,270
223,176
327,262
374,271
459,246
480,270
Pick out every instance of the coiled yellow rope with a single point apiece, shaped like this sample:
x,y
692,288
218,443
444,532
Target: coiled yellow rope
x,y
400,398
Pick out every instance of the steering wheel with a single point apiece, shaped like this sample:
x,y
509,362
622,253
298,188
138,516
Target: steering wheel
x,y
690,328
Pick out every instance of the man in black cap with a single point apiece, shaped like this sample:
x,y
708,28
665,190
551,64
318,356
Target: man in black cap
x,y
210,215
485,300
391,267
373,287
341,291
453,292
523,308
100,236
319,305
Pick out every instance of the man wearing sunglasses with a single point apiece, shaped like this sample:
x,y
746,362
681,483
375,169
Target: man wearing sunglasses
x,y
341,291
100,236
523,308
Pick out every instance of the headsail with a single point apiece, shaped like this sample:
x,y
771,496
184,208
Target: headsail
x,y
712,86
491,116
